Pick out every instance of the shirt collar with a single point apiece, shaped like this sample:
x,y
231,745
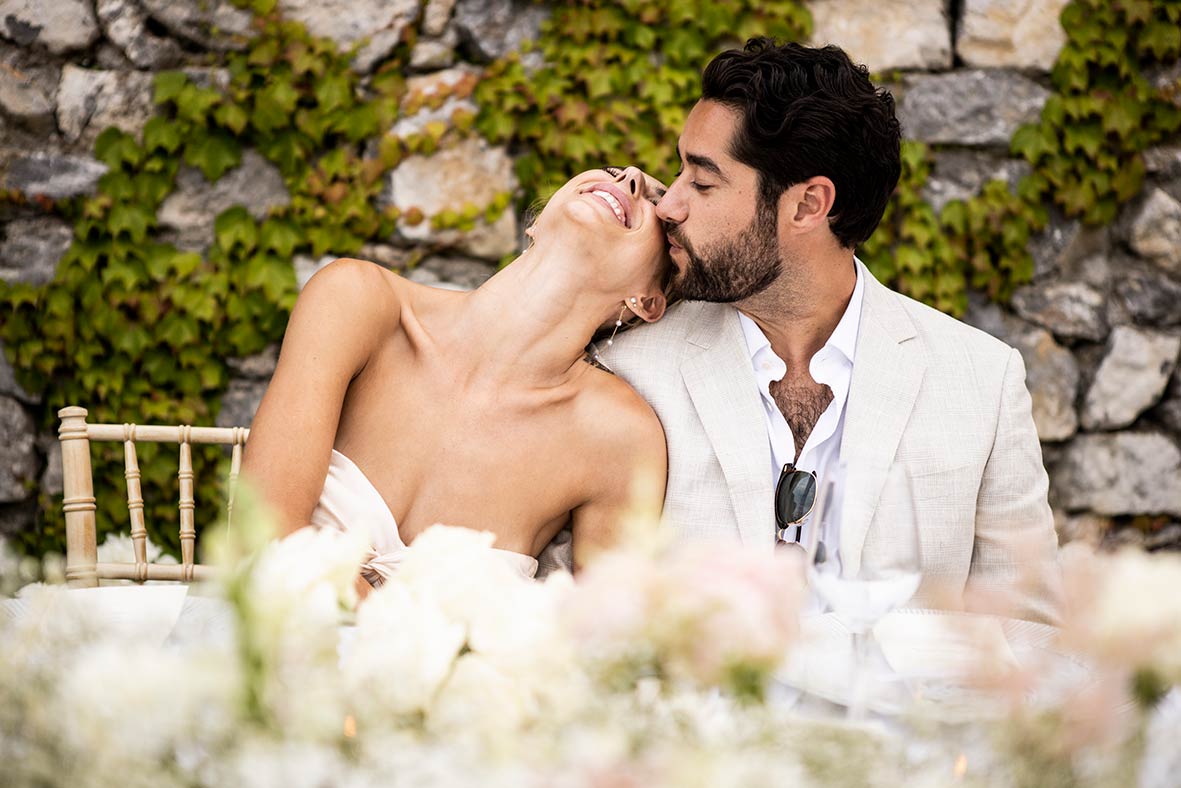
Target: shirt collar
x,y
843,338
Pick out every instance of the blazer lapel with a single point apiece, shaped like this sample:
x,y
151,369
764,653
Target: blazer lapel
x,y
722,386
887,373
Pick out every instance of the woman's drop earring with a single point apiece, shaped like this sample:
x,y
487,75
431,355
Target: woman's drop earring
x,y
611,339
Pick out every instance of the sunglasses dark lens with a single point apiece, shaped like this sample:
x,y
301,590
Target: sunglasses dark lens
x,y
794,497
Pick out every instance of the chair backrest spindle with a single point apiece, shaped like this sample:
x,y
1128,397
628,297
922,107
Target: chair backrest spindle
x,y
82,566
188,531
78,499
135,498
239,439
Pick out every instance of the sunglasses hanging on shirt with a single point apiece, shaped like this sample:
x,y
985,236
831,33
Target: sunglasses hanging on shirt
x,y
795,495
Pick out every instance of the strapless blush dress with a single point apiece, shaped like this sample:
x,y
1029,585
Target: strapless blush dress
x,y
350,502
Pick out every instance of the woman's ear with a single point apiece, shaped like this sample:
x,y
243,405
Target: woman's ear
x,y
649,308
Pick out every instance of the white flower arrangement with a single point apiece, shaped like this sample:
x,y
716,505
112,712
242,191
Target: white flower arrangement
x,y
650,669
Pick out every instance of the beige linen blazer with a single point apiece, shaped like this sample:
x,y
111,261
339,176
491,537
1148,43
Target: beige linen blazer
x,y
942,398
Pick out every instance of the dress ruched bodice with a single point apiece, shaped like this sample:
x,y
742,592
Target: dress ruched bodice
x,y
349,502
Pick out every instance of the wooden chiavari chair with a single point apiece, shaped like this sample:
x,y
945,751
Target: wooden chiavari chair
x,y
82,567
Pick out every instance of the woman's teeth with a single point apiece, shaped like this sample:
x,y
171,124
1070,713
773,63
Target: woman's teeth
x,y
612,203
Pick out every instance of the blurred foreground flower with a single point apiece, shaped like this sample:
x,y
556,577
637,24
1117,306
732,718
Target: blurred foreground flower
x,y
652,667
705,614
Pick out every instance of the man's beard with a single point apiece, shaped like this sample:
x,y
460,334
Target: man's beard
x,y
732,269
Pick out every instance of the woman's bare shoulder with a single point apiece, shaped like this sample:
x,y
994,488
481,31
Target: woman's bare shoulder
x,y
619,418
358,283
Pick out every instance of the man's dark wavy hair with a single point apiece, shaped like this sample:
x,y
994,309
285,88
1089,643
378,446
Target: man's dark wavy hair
x,y
811,111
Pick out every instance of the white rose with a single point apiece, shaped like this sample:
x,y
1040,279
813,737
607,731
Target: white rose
x,y
399,653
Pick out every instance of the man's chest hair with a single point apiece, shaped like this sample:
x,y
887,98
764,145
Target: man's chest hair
x,y
801,403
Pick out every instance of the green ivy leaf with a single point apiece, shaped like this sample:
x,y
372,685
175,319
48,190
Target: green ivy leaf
x,y
195,104
162,134
274,106
130,219
264,52
270,274
1085,137
1123,116
213,153
333,91
232,116
234,227
1128,179
178,332
281,237
359,123
168,85
1162,39
122,272
117,185
115,147
288,150
1032,142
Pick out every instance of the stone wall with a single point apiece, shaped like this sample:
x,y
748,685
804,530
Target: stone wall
x,y
1099,327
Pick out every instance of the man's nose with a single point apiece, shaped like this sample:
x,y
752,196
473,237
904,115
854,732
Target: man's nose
x,y
671,208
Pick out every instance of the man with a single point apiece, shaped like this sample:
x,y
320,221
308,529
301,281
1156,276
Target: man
x,y
788,352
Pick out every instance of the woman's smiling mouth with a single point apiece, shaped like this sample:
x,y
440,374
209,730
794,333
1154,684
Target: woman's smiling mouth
x,y
613,199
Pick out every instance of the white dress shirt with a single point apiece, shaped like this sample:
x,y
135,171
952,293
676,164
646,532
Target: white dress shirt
x,y
832,366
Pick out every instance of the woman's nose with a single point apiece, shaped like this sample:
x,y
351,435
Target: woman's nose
x,y
632,179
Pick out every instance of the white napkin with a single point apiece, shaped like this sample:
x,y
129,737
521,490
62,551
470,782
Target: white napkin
x,y
933,645
144,613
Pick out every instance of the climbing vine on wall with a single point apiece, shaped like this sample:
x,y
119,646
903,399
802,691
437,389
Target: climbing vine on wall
x,y
1086,149
138,330
619,78
616,82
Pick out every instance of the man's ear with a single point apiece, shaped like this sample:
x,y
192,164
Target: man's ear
x,y
808,204
650,308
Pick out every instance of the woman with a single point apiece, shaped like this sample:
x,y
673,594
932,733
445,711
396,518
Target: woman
x,y
395,406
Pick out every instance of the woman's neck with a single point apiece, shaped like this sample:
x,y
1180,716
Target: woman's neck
x,y
531,322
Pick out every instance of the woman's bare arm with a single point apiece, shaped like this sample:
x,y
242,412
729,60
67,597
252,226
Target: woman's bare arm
x,y
634,471
337,322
